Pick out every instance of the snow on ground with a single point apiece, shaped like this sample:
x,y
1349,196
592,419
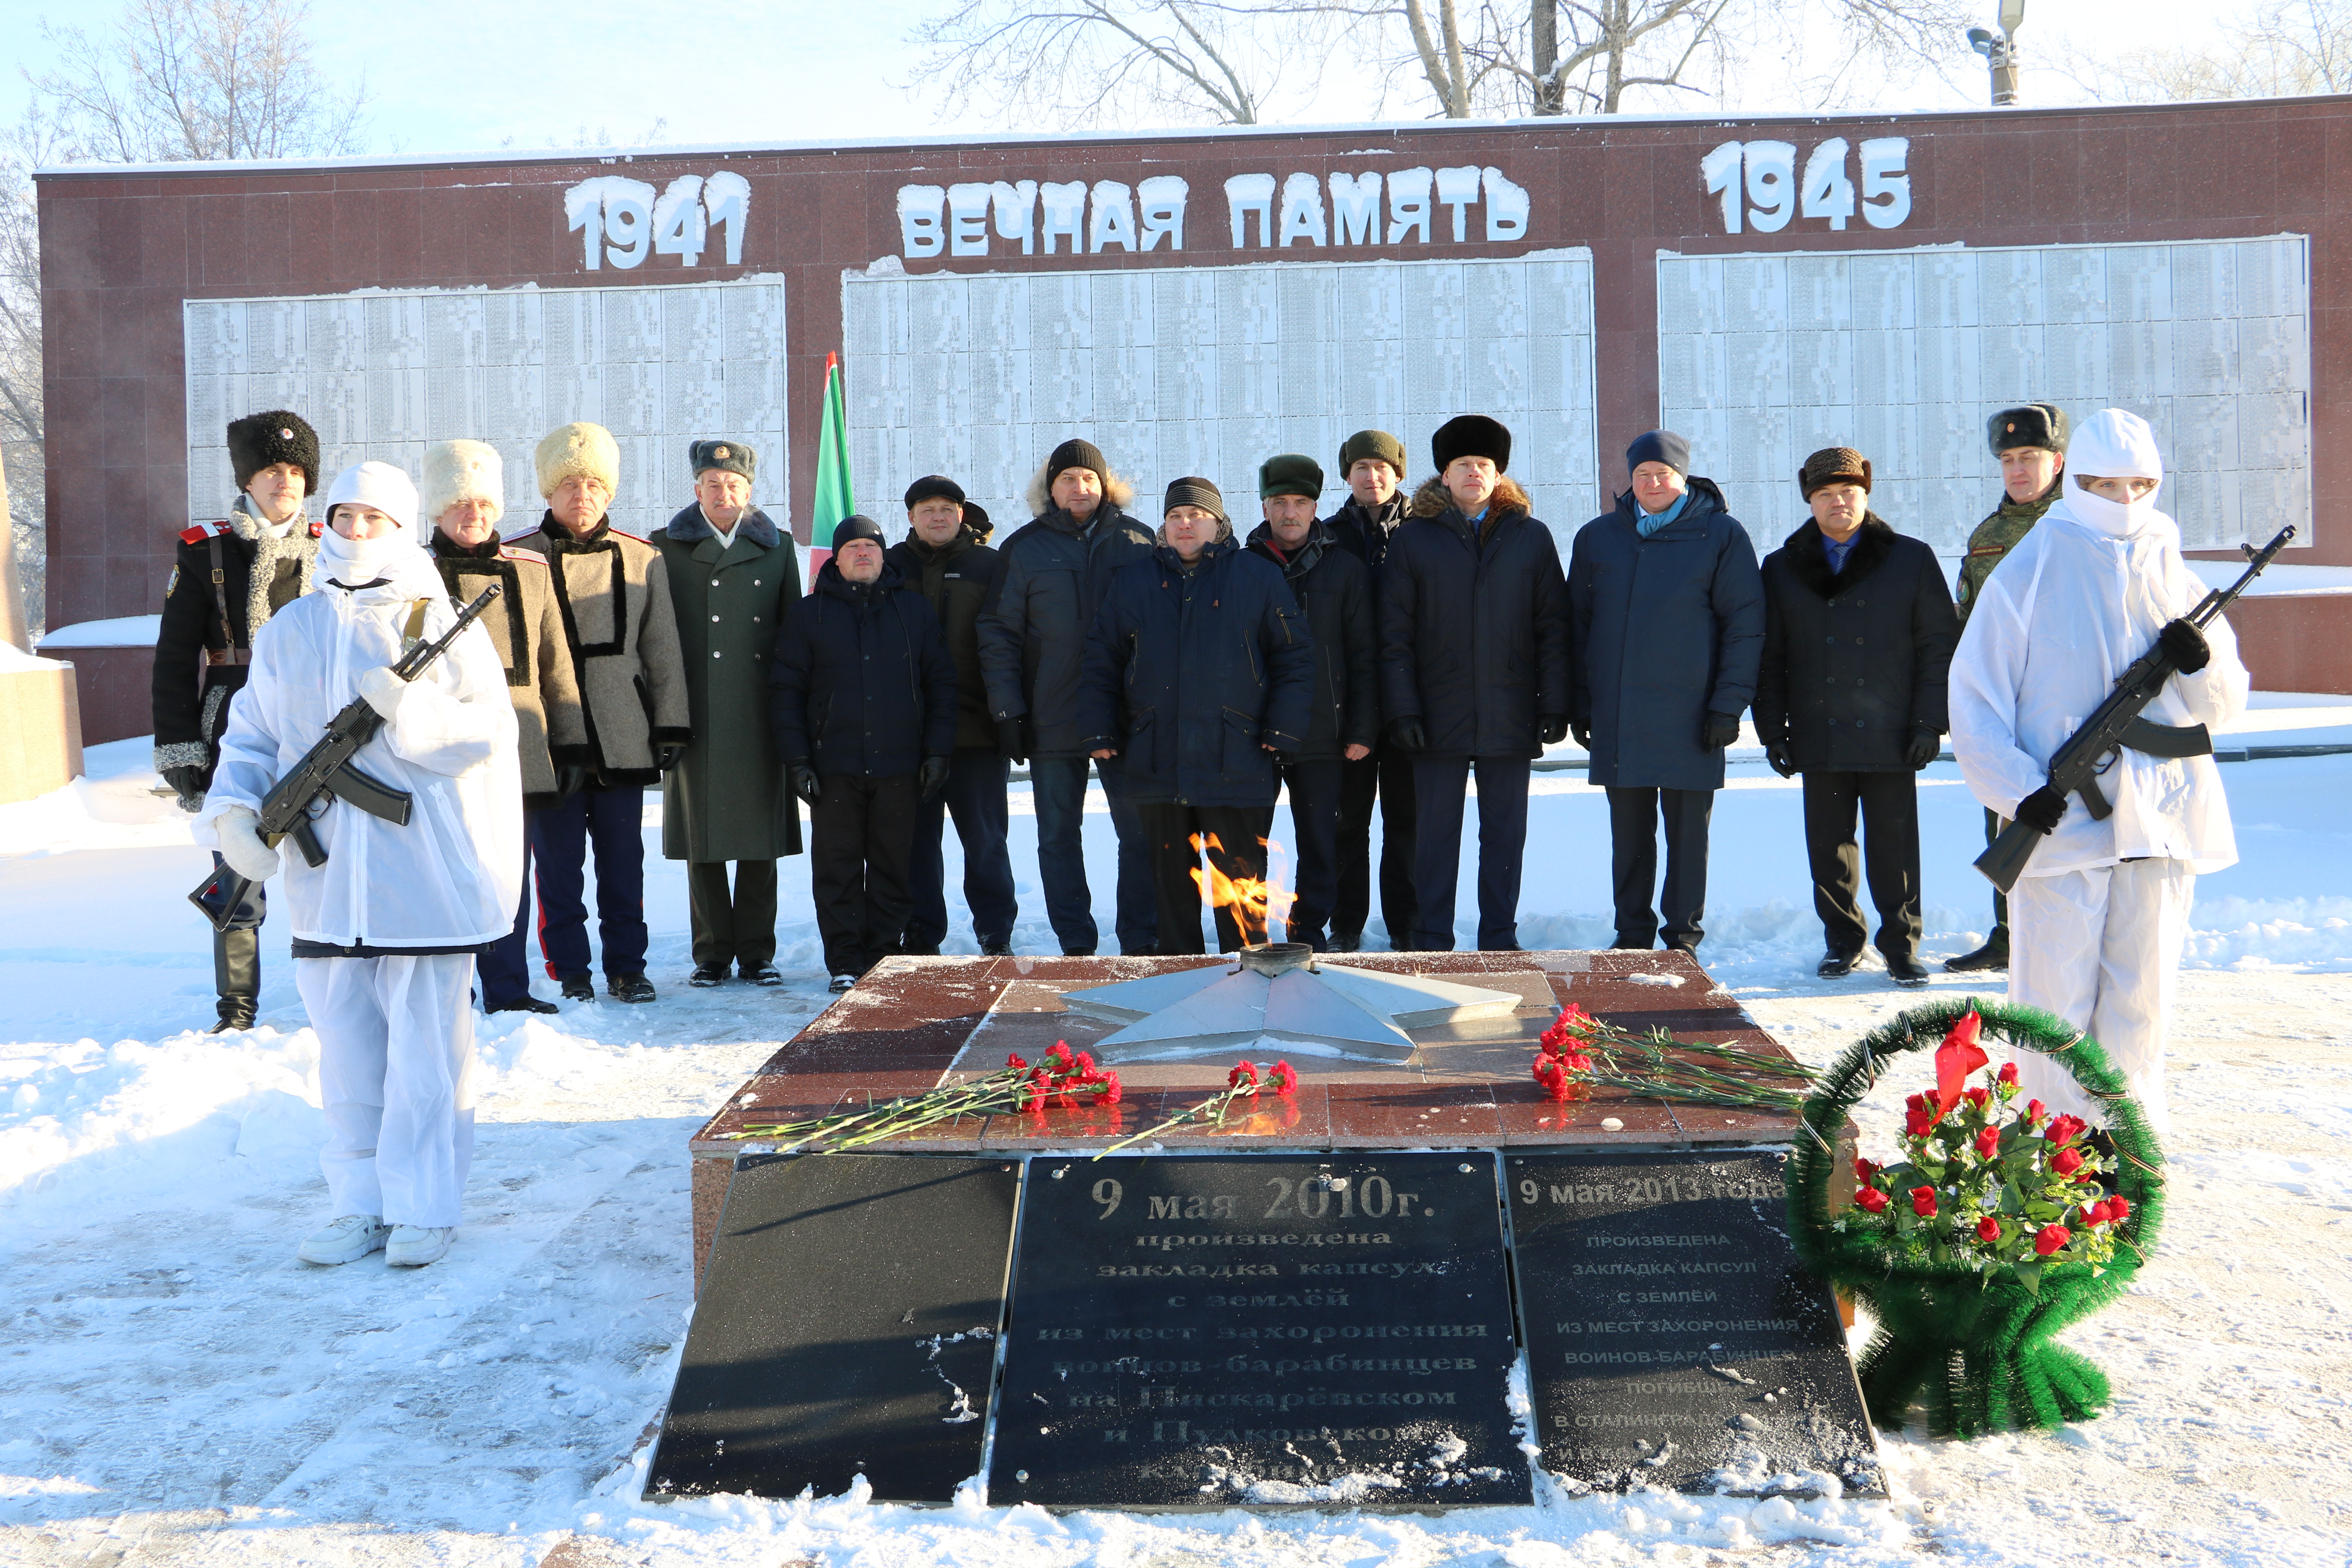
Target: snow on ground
x,y
173,1387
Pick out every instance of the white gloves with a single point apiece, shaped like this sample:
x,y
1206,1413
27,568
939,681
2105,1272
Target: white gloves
x,y
383,691
239,831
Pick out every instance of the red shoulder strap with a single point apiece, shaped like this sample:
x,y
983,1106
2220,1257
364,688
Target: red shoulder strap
x,y
197,533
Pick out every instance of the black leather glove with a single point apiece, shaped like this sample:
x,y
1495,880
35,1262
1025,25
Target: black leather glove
x,y
1555,729
667,755
1583,730
1721,729
189,781
1407,735
1012,739
933,777
804,782
2042,809
2187,645
570,779
1926,745
1782,756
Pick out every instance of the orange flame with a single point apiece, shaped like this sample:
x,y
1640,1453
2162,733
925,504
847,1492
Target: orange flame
x,y
1253,900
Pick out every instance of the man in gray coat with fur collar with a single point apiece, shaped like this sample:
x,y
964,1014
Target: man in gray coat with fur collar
x,y
733,577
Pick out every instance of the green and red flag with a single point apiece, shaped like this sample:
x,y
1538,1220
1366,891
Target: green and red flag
x,y
833,500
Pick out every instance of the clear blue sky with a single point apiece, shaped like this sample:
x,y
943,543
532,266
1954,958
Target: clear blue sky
x,y
463,75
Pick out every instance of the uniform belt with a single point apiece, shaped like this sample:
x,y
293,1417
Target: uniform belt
x,y
228,656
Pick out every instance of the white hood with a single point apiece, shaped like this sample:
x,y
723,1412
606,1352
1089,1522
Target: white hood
x,y
2113,444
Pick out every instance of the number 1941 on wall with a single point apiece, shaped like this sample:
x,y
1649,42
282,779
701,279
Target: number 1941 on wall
x,y
1758,184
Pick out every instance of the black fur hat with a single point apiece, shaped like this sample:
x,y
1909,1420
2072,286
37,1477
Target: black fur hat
x,y
264,440
1472,436
2041,425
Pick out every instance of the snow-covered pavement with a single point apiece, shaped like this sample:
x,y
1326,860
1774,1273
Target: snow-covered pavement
x,y
173,1387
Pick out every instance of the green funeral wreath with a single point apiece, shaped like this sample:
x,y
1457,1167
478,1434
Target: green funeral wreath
x,y
2003,1225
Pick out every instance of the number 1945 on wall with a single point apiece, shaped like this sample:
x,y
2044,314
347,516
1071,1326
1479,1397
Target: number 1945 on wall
x,y
1757,184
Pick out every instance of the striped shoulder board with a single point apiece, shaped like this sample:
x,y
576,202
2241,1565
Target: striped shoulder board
x,y
197,533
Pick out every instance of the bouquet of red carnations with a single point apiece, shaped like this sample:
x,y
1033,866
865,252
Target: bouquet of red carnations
x,y
1987,1183
1063,1079
1579,1049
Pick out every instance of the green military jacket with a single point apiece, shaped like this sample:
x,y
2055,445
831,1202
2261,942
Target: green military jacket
x,y
1995,537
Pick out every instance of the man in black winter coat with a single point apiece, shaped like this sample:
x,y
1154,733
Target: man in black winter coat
x,y
1051,577
1669,620
1857,644
1372,464
1335,593
1198,676
866,720
1474,670
946,558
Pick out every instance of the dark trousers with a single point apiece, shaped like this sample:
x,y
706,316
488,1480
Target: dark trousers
x,y
1179,837
861,831
1440,789
734,925
1889,806
1316,785
1057,787
975,798
236,951
613,820
1387,775
1994,822
1633,845
503,968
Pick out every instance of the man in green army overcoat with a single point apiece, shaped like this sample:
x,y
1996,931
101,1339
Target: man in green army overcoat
x,y
733,577
2029,444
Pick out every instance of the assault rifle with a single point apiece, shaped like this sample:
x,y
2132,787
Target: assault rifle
x,y
2075,767
325,774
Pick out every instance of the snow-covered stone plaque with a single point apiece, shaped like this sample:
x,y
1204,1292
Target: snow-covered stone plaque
x,y
1212,369
384,374
1904,355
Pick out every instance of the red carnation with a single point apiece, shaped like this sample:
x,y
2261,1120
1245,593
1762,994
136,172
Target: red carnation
x,y
1988,1143
1284,1079
1086,1064
1872,1199
2008,1072
1243,1073
2051,1238
1552,1077
1574,1020
1923,1202
1110,1089
1014,1061
1988,1229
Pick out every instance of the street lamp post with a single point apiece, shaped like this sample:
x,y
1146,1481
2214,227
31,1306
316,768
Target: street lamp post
x,y
2000,53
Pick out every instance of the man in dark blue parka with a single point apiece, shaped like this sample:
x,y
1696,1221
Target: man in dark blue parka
x,y
1669,610
865,706
1474,671
1198,678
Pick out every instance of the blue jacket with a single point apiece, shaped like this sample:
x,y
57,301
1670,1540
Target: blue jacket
x,y
1191,676
1051,578
862,681
1473,631
1668,630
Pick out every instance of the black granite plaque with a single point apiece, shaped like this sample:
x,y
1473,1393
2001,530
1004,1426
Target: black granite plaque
x,y
1673,1338
847,1325
1276,1329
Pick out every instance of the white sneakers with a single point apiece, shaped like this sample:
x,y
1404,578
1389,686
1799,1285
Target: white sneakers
x,y
414,1245
354,1236
346,1240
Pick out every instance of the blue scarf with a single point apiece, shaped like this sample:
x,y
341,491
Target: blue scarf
x,y
1649,523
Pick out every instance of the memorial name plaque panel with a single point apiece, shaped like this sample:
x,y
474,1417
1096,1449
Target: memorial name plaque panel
x,y
1673,1338
1198,1331
847,1325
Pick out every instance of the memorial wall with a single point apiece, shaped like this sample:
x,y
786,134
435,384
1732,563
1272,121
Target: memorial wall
x,y
1196,301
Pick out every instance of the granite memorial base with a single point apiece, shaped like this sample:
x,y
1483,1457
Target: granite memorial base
x,y
1408,1287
